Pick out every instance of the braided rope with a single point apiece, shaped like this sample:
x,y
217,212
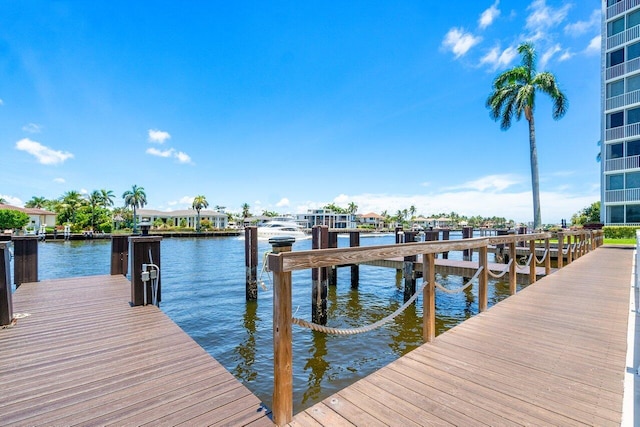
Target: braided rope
x,y
544,256
498,276
462,288
526,265
341,331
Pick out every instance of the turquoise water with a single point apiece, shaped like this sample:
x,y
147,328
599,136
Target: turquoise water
x,y
203,291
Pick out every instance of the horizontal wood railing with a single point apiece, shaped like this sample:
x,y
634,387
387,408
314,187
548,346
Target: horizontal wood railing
x,y
283,263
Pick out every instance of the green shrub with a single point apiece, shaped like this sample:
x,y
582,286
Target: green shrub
x,y
619,232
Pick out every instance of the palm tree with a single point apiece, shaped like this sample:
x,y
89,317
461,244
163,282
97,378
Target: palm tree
x,y
70,202
106,197
95,200
199,202
352,208
245,210
513,94
135,198
3,201
36,202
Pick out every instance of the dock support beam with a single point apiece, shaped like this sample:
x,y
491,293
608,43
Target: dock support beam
x,y
429,298
119,254
251,262
409,268
333,270
6,304
144,250
319,277
467,233
354,242
25,261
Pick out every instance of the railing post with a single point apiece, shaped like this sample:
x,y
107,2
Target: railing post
x,y
25,259
119,254
560,249
251,262
6,304
282,338
534,261
512,268
429,297
569,249
483,278
547,258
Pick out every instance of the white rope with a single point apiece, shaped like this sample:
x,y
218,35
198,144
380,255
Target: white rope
x,y
527,264
265,267
341,331
460,289
544,256
505,271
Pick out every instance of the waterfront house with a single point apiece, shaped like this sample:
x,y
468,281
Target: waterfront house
x,y
327,217
371,219
38,218
218,220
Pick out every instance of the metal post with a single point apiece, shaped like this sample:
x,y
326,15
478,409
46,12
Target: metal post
x,y
6,304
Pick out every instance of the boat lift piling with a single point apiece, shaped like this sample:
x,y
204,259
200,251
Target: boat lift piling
x,y
251,262
319,277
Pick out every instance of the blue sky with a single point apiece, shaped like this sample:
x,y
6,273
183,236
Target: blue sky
x,y
290,105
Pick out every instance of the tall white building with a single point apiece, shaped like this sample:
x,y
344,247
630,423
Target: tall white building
x,y
620,139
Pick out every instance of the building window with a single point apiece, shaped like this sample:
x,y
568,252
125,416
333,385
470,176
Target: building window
x,y
633,148
615,214
632,180
633,19
633,51
615,182
616,57
633,116
615,120
612,2
615,88
615,27
633,83
633,213
615,151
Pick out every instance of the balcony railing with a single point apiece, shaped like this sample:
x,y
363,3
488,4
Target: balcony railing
x,y
622,69
620,7
623,100
631,162
622,132
623,37
616,196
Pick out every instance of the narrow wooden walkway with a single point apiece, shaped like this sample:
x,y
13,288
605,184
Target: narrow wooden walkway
x,y
551,355
84,356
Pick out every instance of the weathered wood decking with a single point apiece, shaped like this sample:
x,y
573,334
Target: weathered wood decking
x,y
553,354
84,356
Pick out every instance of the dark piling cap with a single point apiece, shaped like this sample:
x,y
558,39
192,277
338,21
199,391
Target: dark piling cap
x,y
280,241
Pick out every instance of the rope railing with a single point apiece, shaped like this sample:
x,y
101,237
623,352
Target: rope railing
x,y
544,257
500,275
526,265
462,288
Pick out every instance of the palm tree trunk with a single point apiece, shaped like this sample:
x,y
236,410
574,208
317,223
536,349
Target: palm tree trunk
x,y
535,180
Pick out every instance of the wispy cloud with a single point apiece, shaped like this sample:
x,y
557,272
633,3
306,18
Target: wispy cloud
x,y
594,46
158,136
13,201
1,101
43,154
543,17
284,202
59,180
459,42
488,16
32,128
582,27
499,59
169,152
489,183
548,54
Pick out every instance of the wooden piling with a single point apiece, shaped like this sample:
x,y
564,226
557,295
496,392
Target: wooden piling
x,y
282,409
483,279
429,298
6,304
319,277
144,250
409,268
354,241
333,270
467,233
560,249
251,262
533,263
119,254
25,259
512,268
445,236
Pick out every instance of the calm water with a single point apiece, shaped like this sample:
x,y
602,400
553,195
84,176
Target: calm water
x,y
203,291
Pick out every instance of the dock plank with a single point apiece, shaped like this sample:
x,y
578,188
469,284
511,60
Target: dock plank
x,y
84,356
553,354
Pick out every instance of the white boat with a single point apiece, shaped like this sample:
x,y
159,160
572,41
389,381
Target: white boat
x,y
280,229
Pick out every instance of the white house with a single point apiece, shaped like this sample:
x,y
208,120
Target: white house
x,y
37,217
372,219
174,218
326,217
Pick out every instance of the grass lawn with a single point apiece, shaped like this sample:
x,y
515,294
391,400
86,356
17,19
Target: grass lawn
x,y
620,242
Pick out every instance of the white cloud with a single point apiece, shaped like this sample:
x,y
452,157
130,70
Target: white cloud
x,y
488,16
496,59
13,201
566,55
160,153
158,136
84,191
43,154
548,54
543,17
32,128
182,157
459,42
594,46
583,27
489,183
59,180
283,202
1,101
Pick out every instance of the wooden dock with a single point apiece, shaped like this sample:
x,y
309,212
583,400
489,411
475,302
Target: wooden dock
x,y
553,354
84,356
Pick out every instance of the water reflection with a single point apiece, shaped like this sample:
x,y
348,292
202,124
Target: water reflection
x,y
245,369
